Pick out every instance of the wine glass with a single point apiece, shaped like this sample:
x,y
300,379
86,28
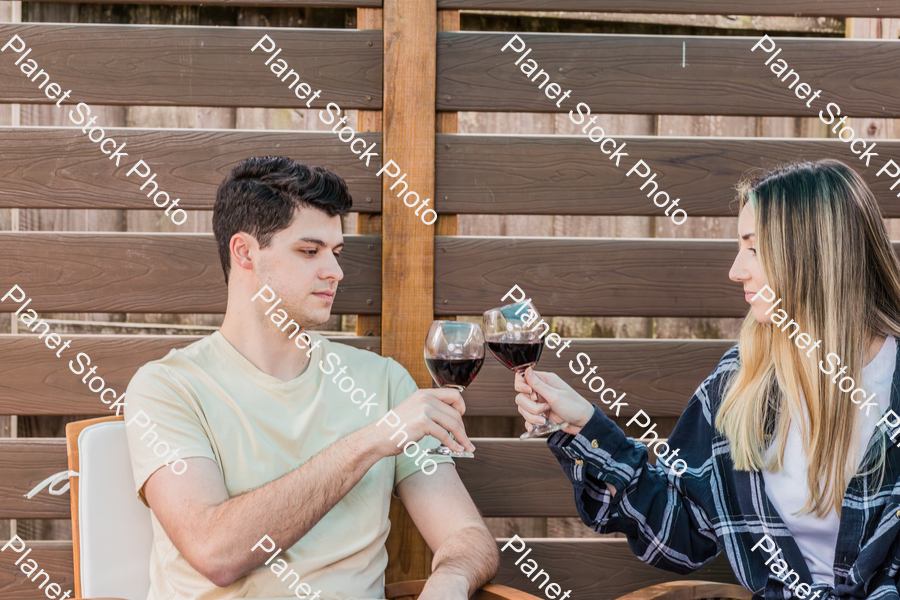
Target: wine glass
x,y
454,353
513,340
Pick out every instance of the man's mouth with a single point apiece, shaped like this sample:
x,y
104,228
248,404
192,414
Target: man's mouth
x,y
325,294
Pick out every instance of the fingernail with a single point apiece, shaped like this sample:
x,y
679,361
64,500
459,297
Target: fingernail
x,y
459,447
541,420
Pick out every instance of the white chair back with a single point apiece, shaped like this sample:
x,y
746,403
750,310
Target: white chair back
x,y
115,529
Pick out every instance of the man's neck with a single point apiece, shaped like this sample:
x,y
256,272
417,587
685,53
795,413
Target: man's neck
x,y
261,342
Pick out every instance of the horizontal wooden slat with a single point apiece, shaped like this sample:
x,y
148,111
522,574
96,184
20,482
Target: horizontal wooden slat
x,y
501,479
54,557
588,277
658,376
47,167
691,75
257,3
823,8
498,494
153,272
600,569
183,66
33,381
595,569
569,175
24,463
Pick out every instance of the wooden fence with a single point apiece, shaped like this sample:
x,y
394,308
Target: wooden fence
x,y
415,81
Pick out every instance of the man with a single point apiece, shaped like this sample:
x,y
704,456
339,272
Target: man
x,y
276,454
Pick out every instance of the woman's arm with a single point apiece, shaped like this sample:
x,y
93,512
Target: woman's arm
x,y
666,517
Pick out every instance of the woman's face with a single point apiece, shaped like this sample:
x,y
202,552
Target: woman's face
x,y
746,268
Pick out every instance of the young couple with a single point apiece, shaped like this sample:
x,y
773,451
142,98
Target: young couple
x,y
773,448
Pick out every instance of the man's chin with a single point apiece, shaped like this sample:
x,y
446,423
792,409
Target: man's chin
x,y
319,317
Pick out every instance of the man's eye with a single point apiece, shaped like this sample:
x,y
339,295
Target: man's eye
x,y
337,254
309,252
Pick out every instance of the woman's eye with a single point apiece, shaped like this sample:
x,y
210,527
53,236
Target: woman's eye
x,y
753,250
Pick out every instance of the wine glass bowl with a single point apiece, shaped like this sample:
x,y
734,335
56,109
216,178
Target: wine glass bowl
x,y
513,340
454,353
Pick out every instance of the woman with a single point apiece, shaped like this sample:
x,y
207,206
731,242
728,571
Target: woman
x,y
785,464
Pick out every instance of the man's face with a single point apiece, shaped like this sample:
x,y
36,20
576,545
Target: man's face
x,y
300,264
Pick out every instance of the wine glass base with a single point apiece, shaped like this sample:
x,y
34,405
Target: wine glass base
x,y
445,451
542,430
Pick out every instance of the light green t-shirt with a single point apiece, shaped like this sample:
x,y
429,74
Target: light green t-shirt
x,y
207,400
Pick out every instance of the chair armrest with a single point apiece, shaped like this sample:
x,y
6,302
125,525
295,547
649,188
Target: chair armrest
x,y
492,591
690,590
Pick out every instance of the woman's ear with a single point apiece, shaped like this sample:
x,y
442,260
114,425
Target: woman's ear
x,y
242,246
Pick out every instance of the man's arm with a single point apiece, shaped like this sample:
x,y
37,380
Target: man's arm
x,y
465,553
215,534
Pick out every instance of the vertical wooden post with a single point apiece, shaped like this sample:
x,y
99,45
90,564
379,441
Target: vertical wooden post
x,y
408,125
368,120
447,122
884,29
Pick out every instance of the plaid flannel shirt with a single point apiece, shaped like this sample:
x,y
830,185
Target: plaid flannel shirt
x,y
679,523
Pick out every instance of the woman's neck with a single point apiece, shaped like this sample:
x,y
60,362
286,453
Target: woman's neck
x,y
873,349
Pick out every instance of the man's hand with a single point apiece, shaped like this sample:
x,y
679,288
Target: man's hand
x,y
434,412
554,394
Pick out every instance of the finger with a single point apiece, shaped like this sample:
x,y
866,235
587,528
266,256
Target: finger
x,y
531,417
437,405
455,426
552,416
525,401
521,385
538,384
444,437
449,397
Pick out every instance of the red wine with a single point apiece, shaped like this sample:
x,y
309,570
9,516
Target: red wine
x,y
453,371
516,353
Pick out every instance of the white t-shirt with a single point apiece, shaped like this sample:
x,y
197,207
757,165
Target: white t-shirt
x,y
816,537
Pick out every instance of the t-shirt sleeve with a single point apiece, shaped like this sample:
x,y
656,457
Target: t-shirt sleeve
x,y
402,387
162,425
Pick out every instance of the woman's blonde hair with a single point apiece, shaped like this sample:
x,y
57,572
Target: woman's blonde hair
x,y
824,250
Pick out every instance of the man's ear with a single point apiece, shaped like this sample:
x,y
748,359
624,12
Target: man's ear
x,y
242,247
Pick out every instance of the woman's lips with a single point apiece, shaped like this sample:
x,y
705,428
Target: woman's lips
x,y
749,296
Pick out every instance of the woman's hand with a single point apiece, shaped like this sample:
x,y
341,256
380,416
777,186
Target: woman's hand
x,y
554,394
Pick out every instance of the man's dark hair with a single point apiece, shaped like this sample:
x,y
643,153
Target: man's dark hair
x,y
259,197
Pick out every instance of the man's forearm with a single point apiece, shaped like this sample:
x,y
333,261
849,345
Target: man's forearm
x,y
287,508
470,554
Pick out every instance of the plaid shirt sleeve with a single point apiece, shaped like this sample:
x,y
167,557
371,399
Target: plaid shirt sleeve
x,y
665,516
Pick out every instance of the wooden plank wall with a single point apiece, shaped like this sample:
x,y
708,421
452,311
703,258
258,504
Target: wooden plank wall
x,y
832,8
717,227
500,423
